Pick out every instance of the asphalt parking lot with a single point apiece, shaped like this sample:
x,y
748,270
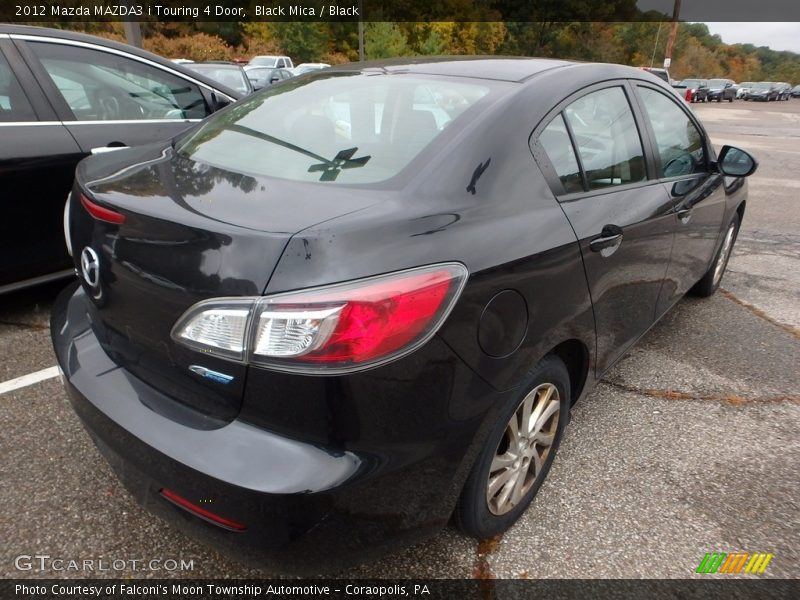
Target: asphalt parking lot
x,y
690,446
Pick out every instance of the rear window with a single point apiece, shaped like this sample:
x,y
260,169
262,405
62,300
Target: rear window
x,y
346,128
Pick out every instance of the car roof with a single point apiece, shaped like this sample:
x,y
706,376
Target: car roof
x,y
506,68
98,41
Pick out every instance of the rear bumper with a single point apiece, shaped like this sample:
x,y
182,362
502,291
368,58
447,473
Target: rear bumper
x,y
306,507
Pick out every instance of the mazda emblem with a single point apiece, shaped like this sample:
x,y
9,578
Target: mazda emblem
x,y
90,267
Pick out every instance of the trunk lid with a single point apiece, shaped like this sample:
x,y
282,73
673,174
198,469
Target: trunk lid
x,y
191,232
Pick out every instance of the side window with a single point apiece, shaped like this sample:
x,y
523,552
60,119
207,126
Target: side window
x,y
556,143
101,86
680,145
280,64
14,105
607,138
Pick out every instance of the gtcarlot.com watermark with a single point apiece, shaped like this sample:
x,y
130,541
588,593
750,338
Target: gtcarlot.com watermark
x,y
43,563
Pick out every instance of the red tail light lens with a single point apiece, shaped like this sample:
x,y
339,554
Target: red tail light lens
x,y
102,213
338,328
201,512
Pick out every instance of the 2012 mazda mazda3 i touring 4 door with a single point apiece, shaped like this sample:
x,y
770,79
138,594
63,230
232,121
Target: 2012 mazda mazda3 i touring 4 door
x,y
344,310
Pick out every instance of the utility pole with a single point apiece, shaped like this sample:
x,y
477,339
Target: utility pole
x,y
360,31
133,29
673,32
133,33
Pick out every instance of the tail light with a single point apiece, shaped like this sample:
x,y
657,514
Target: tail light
x,y
101,213
338,328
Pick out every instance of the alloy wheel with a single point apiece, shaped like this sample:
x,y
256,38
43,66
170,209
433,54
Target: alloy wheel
x,y
524,448
724,253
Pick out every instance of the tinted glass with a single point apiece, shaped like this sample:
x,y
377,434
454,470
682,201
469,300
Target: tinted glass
x,y
680,145
607,138
555,141
100,86
14,105
343,128
227,75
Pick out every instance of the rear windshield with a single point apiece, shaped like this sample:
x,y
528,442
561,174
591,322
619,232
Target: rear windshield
x,y
340,127
717,82
691,82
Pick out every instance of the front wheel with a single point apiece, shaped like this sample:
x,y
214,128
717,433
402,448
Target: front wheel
x,y
711,280
518,453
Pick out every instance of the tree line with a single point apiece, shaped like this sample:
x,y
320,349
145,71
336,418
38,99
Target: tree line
x,y
641,42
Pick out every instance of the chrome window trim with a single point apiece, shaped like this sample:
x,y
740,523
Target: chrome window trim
x,y
71,123
131,121
29,123
50,40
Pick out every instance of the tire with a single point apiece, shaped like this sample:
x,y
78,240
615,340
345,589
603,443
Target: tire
x,y
730,99
709,283
482,516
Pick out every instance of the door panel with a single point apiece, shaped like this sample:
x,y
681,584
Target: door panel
x,y
37,162
699,206
683,156
626,283
624,221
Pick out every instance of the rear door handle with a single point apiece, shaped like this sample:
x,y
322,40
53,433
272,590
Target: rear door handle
x,y
608,242
685,214
110,148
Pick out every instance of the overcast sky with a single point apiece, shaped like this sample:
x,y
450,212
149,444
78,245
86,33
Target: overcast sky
x,y
778,36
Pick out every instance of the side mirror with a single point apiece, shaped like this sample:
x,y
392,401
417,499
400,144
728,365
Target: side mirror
x,y
274,79
218,102
735,162
727,85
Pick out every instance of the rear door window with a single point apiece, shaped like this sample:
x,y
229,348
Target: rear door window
x,y
14,104
102,86
556,143
607,138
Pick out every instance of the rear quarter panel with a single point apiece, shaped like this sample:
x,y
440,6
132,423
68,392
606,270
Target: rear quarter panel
x,y
511,234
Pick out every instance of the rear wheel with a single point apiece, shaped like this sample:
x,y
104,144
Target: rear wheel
x,y
711,280
518,453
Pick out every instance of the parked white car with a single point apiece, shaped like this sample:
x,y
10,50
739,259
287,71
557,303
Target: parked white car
x,y
276,62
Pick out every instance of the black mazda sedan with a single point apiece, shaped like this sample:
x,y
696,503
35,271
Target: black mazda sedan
x,y
349,308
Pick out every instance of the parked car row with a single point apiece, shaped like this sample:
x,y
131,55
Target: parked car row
x,y
767,91
260,72
707,90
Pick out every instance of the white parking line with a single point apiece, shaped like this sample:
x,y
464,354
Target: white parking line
x,y
29,379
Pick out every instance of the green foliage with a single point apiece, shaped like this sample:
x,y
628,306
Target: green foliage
x,y
304,42
384,40
638,39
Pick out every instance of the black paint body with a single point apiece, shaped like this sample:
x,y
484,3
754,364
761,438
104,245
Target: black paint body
x,y
325,470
